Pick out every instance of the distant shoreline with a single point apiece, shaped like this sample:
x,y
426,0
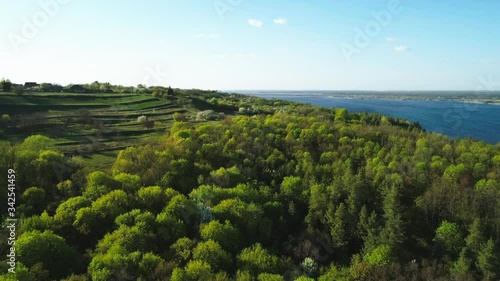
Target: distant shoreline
x,y
460,97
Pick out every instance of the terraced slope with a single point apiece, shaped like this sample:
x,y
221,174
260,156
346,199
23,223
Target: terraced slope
x,y
86,124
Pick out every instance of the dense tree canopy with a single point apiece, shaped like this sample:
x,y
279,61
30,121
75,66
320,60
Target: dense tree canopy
x,y
291,193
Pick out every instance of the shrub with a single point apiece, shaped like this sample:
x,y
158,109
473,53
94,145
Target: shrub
x,y
207,115
179,117
4,120
145,122
309,267
18,91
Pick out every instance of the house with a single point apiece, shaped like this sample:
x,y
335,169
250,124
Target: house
x,y
29,85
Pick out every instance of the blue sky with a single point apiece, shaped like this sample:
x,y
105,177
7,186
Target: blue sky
x,y
254,44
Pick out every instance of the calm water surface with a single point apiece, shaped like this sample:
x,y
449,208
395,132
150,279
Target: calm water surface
x,y
451,118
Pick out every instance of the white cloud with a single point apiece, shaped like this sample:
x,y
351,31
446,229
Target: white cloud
x,y
401,48
207,35
254,22
391,39
280,21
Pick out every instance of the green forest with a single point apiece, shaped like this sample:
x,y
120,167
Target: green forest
x,y
247,189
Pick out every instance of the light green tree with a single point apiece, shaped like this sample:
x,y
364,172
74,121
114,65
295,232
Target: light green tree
x,y
448,235
257,259
488,261
48,249
213,254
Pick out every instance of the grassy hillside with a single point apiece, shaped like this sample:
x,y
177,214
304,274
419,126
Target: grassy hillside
x,y
91,125
95,126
